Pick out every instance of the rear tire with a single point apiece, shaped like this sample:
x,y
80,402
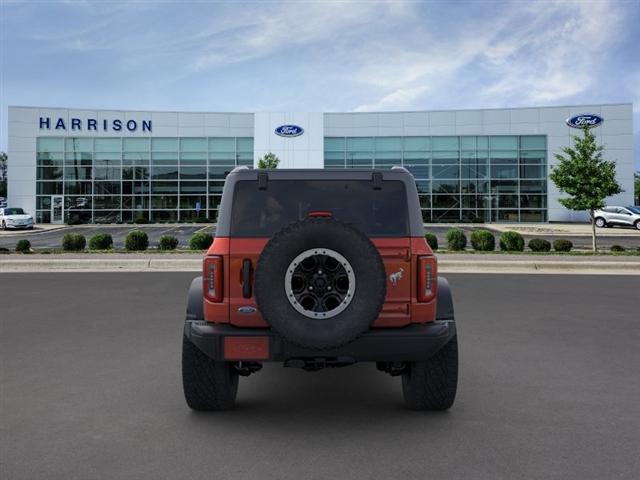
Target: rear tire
x,y
600,222
432,385
207,384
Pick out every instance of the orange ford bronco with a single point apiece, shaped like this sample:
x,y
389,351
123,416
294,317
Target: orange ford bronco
x,y
315,269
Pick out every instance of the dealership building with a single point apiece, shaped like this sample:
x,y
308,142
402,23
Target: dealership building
x,y
108,166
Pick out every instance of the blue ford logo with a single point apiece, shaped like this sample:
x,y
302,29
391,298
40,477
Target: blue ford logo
x,y
583,120
289,131
247,309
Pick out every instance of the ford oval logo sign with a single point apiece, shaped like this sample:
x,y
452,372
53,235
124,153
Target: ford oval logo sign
x,y
588,120
289,131
247,309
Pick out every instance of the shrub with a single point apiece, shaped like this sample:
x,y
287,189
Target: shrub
x,y
200,241
617,248
562,245
483,240
142,220
136,240
477,220
73,242
23,246
167,242
539,245
4,250
511,242
432,240
74,220
101,241
456,239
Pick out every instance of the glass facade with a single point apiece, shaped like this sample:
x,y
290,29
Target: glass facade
x,y
110,180
459,178
500,178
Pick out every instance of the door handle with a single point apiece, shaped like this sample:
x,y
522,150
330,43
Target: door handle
x,y
246,278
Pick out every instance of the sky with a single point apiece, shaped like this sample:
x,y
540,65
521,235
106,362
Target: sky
x,y
318,55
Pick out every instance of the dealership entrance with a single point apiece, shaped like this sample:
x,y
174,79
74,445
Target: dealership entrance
x,y
57,209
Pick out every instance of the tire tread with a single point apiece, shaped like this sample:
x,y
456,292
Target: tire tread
x,y
207,384
432,384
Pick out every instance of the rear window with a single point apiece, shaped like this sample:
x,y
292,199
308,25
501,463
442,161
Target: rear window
x,y
262,213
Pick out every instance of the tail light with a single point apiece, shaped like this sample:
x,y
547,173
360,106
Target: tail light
x,y
212,278
427,278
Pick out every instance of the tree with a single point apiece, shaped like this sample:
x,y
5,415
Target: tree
x,y
3,174
269,160
636,187
585,176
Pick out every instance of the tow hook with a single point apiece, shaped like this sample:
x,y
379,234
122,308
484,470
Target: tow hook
x,y
318,363
247,368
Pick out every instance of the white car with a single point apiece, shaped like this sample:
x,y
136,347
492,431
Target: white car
x,y
623,216
15,218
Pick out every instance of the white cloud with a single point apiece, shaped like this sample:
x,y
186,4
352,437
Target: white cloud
x,y
400,98
536,53
263,31
556,55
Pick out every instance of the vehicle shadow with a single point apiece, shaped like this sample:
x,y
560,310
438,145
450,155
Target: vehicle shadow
x,y
356,398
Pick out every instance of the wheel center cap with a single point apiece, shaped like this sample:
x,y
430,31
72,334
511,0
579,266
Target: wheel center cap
x,y
319,283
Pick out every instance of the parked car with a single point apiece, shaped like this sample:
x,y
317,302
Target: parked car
x,y
3,202
623,216
15,218
279,285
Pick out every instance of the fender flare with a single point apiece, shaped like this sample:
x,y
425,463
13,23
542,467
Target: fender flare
x,y
195,300
444,305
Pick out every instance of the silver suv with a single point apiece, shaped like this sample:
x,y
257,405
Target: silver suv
x,y
625,216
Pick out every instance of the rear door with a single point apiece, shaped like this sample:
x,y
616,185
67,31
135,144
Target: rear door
x,y
396,256
259,213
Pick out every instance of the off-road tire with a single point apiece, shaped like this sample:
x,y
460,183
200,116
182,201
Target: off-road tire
x,y
432,385
602,222
320,333
207,384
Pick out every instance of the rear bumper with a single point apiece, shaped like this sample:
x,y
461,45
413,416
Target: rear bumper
x,y
412,343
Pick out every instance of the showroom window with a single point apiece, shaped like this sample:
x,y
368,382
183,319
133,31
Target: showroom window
x,y
114,180
459,178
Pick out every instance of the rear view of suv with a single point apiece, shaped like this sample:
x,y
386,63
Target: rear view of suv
x,y
316,269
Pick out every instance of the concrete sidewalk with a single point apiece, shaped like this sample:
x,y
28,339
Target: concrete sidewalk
x,y
447,263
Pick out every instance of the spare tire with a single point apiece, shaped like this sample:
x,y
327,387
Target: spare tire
x,y
320,283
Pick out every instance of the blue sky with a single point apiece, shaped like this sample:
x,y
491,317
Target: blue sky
x,y
318,55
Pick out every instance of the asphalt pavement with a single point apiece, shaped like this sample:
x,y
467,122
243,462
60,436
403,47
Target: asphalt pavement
x,y
90,377
53,238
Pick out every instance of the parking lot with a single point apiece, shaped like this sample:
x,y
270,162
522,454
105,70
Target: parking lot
x,y
629,238
90,368
53,238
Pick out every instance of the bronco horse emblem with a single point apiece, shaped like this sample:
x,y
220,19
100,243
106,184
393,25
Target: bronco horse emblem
x,y
395,277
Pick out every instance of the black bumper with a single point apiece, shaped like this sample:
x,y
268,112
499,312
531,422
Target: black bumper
x,y
411,343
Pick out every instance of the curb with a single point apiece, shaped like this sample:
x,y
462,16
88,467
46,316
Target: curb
x,y
549,267
195,265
